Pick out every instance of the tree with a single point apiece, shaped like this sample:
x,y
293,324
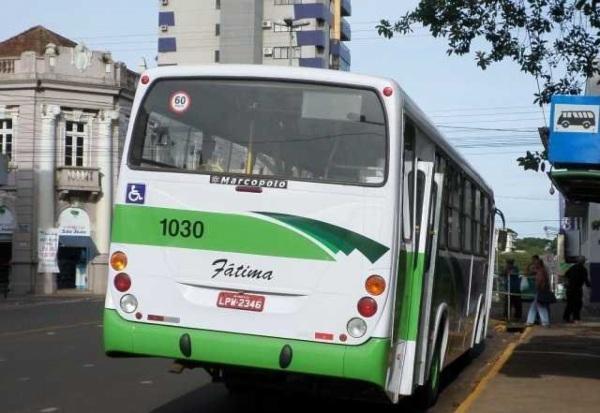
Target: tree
x,y
556,41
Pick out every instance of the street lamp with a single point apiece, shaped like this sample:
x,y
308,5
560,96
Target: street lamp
x,y
291,26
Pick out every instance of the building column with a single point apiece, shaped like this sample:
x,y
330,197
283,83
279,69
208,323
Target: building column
x,y
104,159
104,152
46,194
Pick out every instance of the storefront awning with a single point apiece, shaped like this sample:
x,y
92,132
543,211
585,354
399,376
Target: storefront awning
x,y
76,241
578,185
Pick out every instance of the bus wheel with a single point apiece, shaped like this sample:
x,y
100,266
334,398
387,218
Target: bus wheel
x,y
428,394
565,124
587,125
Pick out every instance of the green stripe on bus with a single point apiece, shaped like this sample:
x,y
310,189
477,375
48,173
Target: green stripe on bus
x,y
367,362
220,232
333,237
408,297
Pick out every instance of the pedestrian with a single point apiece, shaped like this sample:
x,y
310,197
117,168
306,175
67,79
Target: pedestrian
x,y
513,282
541,301
577,277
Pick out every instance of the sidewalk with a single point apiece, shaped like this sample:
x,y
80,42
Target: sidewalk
x,y
554,369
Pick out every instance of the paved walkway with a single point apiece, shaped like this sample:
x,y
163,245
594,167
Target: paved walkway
x,y
554,369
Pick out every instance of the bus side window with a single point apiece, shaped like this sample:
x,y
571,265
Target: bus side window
x,y
409,167
485,224
467,214
477,215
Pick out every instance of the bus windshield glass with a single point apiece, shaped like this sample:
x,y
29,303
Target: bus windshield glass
x,y
260,128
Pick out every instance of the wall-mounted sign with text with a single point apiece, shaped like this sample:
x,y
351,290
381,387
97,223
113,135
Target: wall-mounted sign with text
x,y
74,222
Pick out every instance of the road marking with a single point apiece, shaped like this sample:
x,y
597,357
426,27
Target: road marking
x,y
49,410
51,333
23,379
146,382
88,365
46,329
465,406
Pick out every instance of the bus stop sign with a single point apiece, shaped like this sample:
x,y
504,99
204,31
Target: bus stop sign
x,y
574,131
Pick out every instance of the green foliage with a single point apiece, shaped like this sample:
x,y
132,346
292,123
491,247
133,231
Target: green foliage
x,y
544,37
556,41
532,245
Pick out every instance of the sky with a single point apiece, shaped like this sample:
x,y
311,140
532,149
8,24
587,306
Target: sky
x,y
464,101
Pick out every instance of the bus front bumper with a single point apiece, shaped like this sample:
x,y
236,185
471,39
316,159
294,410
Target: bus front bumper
x,y
367,362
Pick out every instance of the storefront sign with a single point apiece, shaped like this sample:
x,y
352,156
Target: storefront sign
x,y
74,222
47,250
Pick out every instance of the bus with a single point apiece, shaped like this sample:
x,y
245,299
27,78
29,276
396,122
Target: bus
x,y
290,225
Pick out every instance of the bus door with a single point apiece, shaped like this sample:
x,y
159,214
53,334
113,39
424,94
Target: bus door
x,y
419,201
430,221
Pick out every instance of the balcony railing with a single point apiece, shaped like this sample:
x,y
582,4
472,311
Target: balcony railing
x,y
346,31
7,66
75,178
346,8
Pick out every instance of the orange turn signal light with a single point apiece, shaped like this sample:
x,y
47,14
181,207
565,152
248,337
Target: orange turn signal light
x,y
375,285
118,261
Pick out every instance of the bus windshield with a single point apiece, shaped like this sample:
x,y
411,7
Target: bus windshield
x,y
258,128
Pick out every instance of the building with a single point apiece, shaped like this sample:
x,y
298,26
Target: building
x,y
578,181
307,33
63,116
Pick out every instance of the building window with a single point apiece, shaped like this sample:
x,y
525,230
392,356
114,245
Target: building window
x,y
287,2
74,143
6,137
217,29
218,4
166,18
284,52
217,56
167,44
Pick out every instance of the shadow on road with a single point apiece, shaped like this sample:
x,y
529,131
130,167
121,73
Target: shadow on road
x,y
216,398
576,356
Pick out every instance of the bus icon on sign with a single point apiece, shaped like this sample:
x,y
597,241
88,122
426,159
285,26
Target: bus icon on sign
x,y
574,118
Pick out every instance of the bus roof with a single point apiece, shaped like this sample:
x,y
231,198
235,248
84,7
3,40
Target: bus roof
x,y
326,76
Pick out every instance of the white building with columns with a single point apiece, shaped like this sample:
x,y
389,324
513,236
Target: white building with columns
x,y
64,111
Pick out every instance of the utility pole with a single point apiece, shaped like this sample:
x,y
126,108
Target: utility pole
x,y
291,26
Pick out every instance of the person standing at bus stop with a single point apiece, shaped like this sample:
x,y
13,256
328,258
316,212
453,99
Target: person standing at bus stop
x,y
542,289
513,282
577,277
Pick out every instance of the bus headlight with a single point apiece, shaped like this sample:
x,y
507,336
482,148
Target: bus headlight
x,y
129,303
357,327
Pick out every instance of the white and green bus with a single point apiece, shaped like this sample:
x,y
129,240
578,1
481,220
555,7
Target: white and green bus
x,y
280,225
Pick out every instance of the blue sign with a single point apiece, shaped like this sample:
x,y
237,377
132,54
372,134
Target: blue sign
x,y
574,131
136,194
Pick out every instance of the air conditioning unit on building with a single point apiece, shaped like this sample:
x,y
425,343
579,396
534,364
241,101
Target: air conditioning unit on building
x,y
164,28
268,51
267,24
164,2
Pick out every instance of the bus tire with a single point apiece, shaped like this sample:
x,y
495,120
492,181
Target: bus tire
x,y
428,395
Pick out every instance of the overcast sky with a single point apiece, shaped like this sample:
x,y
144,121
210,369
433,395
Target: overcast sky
x,y
452,90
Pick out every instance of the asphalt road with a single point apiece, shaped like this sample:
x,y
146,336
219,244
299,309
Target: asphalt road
x,y
51,360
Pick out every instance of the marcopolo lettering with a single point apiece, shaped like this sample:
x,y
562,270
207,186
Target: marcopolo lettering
x,y
245,181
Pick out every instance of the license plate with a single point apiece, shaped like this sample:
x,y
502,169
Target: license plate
x,y
238,301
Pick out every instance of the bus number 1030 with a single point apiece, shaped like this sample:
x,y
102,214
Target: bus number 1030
x,y
184,228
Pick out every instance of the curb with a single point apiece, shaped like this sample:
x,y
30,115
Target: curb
x,y
465,406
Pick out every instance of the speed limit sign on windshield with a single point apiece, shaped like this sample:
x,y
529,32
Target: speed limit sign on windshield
x,y
180,102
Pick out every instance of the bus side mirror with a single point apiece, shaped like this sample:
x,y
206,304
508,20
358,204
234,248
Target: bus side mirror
x,y
502,236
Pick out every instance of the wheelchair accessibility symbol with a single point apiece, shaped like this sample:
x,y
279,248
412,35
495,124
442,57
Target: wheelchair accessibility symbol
x,y
136,194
